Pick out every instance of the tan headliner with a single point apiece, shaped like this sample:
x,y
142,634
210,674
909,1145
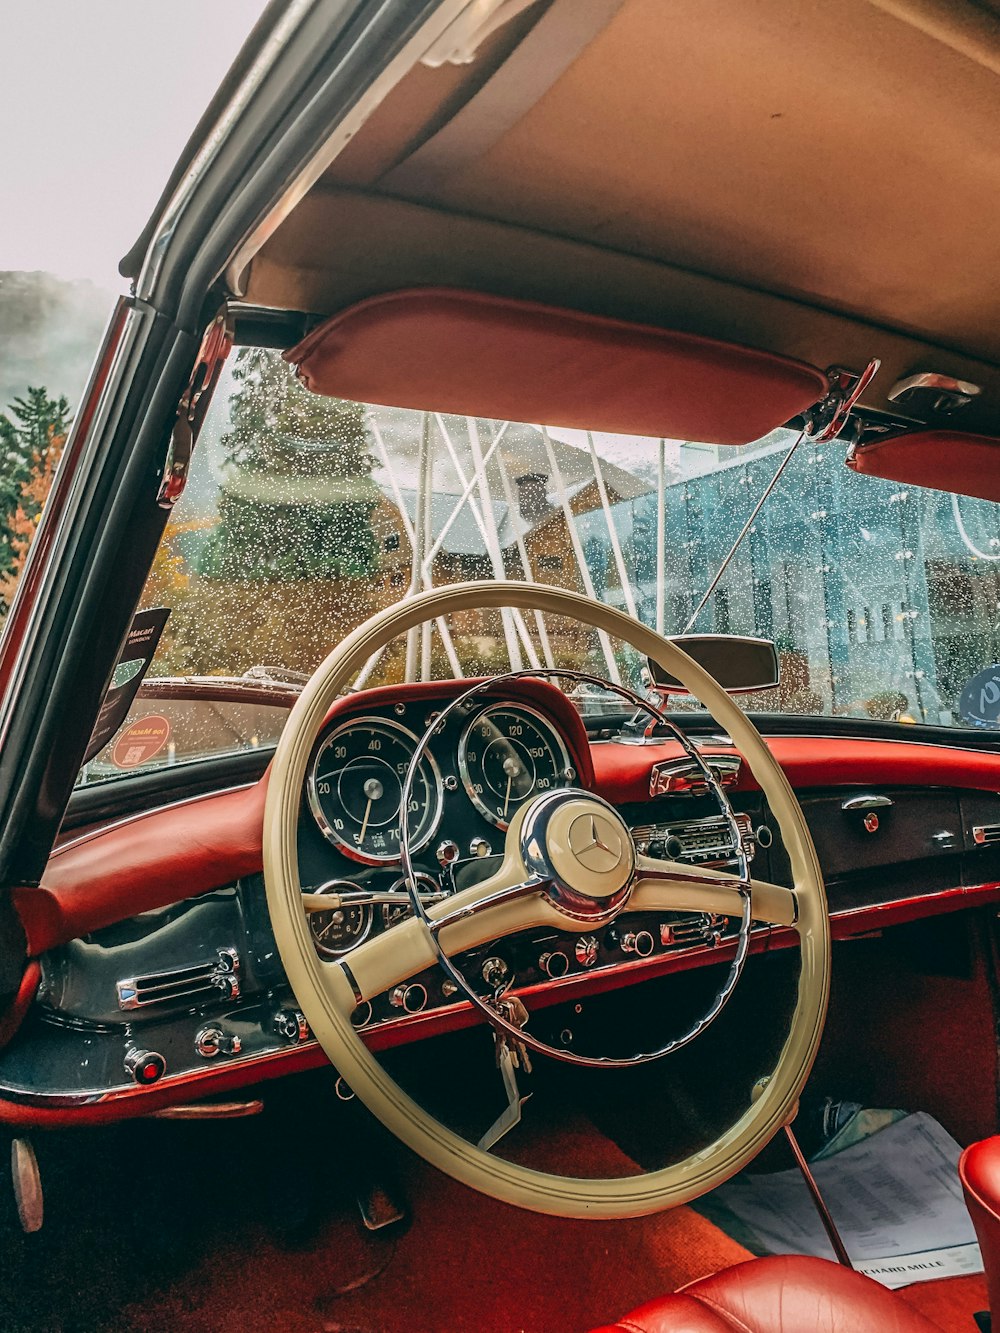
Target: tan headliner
x,y
831,153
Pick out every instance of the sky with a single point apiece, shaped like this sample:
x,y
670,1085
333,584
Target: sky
x,y
97,100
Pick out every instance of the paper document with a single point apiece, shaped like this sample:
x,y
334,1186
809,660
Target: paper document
x,y
895,1198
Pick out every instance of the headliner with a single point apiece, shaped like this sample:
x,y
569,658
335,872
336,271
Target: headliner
x,y
818,180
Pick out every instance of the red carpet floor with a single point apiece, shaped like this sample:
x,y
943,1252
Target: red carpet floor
x,y
469,1265
466,1265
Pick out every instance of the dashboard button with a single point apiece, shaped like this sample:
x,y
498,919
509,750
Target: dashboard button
x,y
411,999
145,1066
292,1025
447,852
554,964
586,949
638,942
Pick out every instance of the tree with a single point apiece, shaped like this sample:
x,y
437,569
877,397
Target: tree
x,y
32,429
270,408
22,524
297,493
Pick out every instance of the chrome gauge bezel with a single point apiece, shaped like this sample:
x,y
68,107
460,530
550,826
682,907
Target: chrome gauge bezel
x,y
540,720
324,950
352,852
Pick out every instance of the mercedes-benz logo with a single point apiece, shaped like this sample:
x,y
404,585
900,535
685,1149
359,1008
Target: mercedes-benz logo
x,y
595,842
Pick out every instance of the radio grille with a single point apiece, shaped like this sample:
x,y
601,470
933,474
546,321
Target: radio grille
x,y
700,840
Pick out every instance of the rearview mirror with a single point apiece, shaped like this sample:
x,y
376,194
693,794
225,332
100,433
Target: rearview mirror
x,y
739,664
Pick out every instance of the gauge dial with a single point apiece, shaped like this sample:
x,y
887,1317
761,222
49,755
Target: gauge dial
x,y
341,928
356,785
506,756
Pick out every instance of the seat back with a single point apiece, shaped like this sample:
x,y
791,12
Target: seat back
x,y
979,1171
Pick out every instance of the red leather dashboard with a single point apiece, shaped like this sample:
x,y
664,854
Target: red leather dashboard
x,y
179,851
622,771
194,846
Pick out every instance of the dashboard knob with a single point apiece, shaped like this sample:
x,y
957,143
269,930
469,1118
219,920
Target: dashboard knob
x,y
554,964
673,848
228,984
586,949
291,1025
447,852
145,1066
411,999
495,971
212,1041
638,942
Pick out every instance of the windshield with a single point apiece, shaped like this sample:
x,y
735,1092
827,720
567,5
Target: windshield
x,y
303,515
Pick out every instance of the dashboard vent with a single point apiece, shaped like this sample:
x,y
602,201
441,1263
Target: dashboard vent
x,y
201,980
985,834
695,928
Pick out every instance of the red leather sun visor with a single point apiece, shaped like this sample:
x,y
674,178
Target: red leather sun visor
x,y
472,355
944,460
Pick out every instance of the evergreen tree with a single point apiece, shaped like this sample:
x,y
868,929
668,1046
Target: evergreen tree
x,y
24,521
298,494
31,429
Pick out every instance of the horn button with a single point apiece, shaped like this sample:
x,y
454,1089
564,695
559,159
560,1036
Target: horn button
x,y
580,846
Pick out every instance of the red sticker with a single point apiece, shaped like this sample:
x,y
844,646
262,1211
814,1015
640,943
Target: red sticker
x,y
139,742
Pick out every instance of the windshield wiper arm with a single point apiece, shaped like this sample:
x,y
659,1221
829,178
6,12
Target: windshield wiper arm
x,y
743,532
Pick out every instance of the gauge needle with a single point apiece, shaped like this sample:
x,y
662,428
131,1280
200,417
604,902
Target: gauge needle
x,y
364,822
373,790
511,767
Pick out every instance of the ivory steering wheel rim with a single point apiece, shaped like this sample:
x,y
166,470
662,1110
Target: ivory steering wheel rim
x,y
328,992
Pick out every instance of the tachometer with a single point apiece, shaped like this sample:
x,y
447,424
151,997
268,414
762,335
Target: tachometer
x,y
356,784
507,755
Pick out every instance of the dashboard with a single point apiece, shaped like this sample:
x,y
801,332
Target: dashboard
x,y
157,978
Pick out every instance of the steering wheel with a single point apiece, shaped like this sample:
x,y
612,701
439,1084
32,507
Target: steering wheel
x,y
550,875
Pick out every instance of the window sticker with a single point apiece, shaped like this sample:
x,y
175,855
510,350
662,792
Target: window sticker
x,y
140,741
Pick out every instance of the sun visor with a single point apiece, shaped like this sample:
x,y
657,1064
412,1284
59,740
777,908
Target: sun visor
x,y
472,355
944,460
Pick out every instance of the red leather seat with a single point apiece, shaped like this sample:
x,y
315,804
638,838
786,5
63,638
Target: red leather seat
x,y
979,1172
781,1294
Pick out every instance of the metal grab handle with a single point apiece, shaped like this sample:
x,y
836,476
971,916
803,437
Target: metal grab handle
x,y
870,801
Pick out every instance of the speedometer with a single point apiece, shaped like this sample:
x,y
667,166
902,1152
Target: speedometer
x,y
356,784
506,756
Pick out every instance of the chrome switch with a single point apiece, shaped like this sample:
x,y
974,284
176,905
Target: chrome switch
x,y
212,1041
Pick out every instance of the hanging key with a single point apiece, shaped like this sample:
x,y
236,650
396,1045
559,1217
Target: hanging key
x,y
512,1009
511,1055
